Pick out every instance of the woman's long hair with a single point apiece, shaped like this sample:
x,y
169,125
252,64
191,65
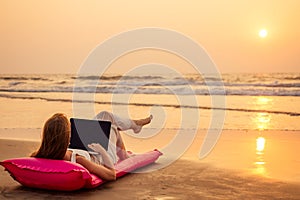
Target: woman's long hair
x,y
55,138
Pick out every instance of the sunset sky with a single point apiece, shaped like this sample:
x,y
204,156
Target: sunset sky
x,y
39,36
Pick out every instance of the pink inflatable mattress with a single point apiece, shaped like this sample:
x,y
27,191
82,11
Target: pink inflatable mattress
x,y
66,176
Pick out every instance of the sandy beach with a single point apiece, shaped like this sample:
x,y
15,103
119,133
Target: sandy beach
x,y
256,157
221,175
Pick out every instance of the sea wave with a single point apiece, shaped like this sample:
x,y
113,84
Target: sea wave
x,y
232,84
23,78
115,77
272,85
167,90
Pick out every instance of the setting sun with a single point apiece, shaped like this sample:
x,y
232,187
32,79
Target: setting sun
x,y
263,33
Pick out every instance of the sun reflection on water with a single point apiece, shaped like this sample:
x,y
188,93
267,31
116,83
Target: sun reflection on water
x,y
262,120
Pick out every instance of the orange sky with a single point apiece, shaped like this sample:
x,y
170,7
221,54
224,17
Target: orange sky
x,y
56,36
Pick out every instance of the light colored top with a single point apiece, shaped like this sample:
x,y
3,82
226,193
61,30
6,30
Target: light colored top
x,y
96,158
79,152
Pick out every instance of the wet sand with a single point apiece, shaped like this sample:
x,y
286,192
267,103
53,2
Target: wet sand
x,y
187,178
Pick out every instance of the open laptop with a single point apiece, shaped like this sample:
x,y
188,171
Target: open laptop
x,y
84,132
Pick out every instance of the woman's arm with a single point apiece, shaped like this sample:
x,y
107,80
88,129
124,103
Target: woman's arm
x,y
106,159
103,172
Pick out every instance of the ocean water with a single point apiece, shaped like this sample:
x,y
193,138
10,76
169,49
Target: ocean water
x,y
235,84
251,101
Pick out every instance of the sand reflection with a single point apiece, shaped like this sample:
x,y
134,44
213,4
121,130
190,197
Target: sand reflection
x,y
262,121
260,161
260,144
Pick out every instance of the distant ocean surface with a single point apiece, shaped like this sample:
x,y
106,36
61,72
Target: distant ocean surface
x,y
235,84
245,93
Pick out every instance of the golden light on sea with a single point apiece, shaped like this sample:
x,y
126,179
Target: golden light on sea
x,y
262,120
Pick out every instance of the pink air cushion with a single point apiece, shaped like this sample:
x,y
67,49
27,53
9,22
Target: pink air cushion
x,y
66,176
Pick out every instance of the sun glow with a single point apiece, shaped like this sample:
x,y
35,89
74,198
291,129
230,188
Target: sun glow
x,y
263,33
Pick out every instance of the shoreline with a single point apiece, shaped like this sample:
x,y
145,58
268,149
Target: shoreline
x,y
33,113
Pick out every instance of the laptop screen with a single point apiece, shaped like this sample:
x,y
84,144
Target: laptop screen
x,y
84,132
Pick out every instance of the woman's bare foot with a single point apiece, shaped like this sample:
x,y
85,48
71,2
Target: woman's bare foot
x,y
138,124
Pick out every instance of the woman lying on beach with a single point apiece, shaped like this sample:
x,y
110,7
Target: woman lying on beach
x,y
56,139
